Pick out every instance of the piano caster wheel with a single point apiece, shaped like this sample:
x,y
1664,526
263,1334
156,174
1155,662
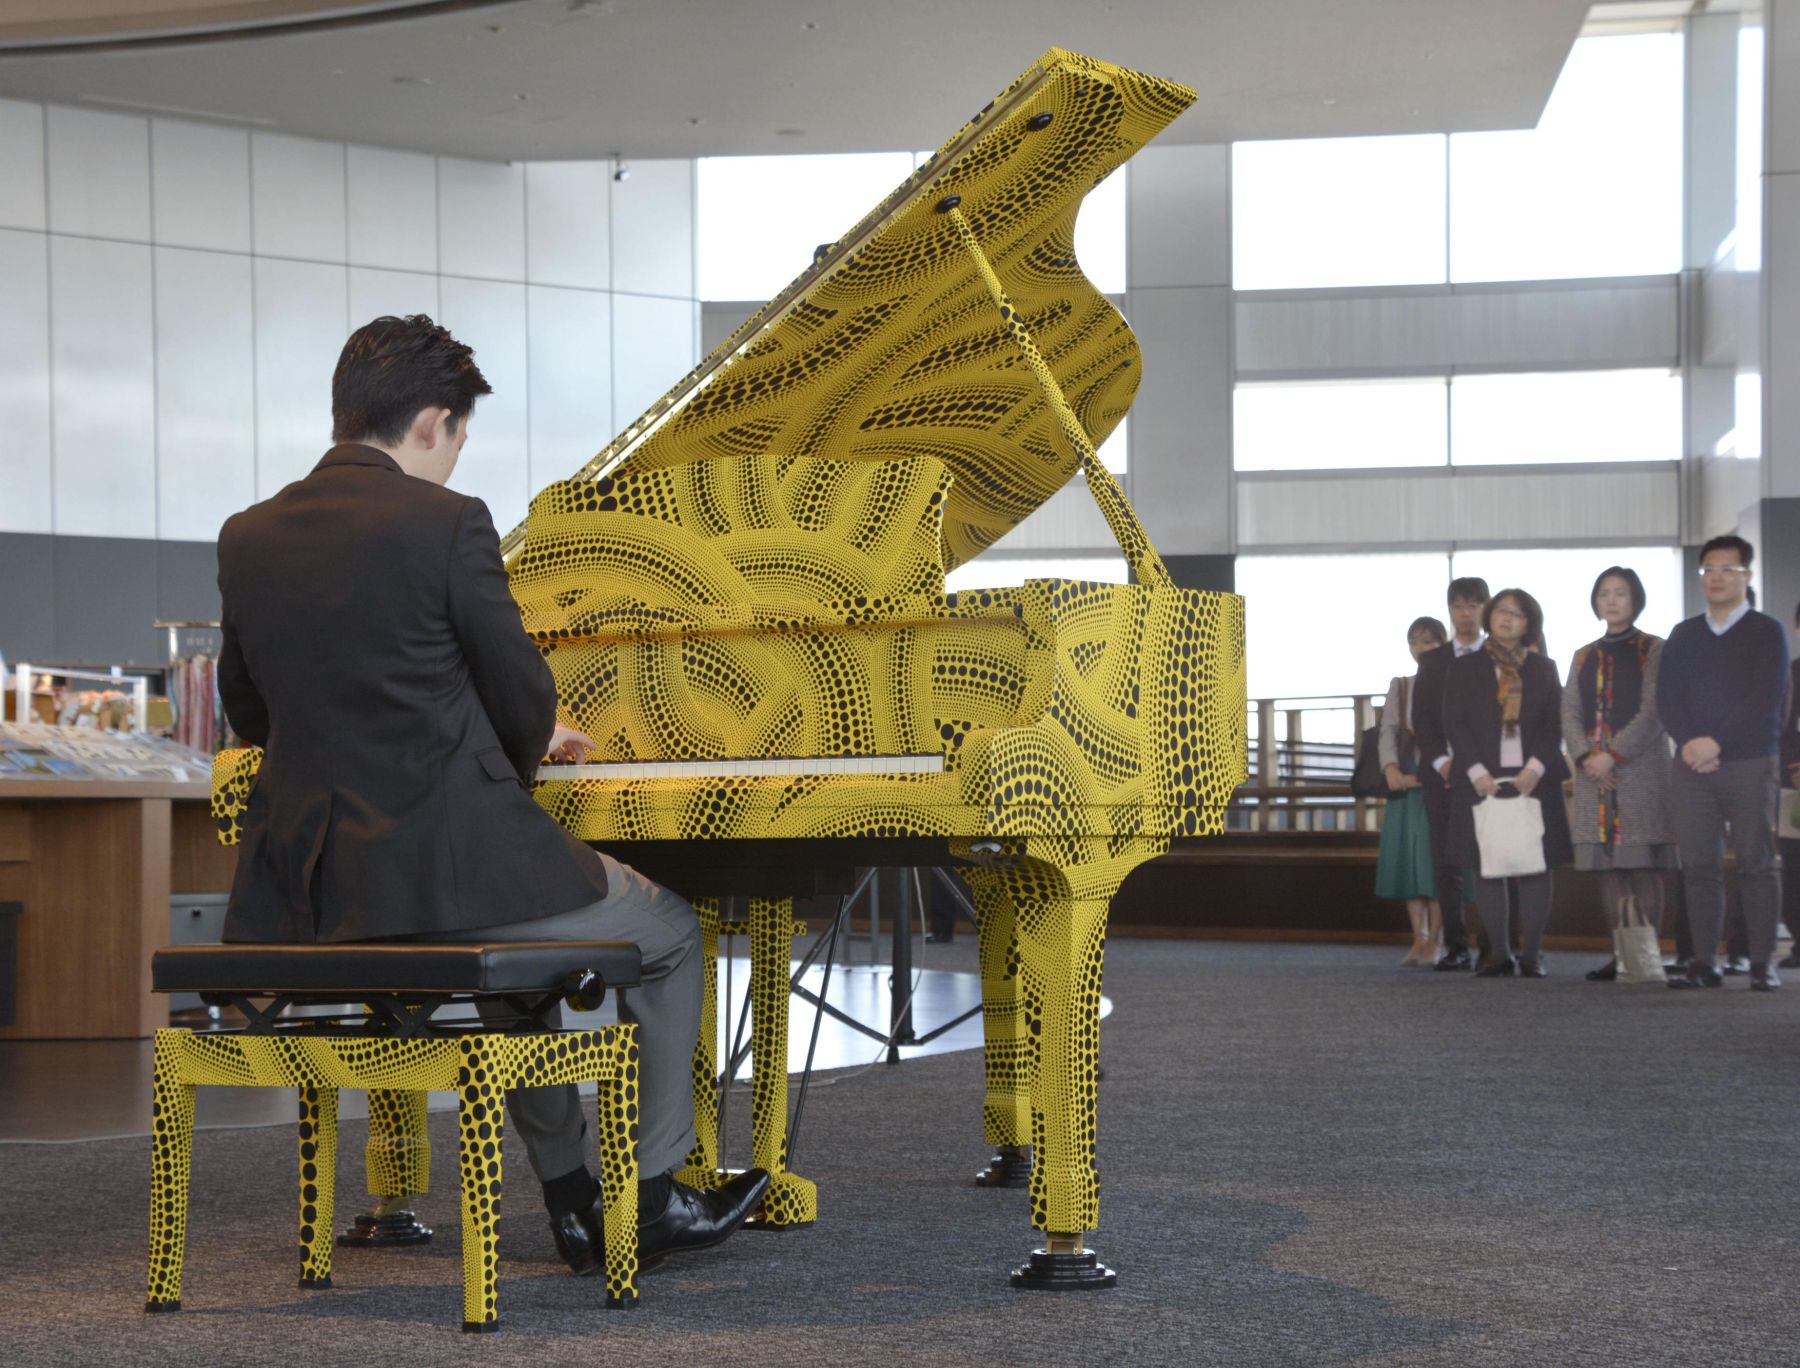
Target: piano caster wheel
x,y
1064,1267
389,1225
1010,1167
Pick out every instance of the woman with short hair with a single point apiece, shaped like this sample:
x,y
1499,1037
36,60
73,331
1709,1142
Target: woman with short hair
x,y
1622,822
1503,717
1405,869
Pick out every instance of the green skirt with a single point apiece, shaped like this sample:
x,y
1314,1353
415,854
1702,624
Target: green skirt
x,y
1405,868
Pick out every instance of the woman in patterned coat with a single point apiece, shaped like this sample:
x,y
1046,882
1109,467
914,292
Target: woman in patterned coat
x,y
1621,818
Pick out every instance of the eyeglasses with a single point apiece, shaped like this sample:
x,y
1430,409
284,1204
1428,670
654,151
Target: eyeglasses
x,y
1509,613
1706,570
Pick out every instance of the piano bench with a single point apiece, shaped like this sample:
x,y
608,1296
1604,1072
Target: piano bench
x,y
301,1035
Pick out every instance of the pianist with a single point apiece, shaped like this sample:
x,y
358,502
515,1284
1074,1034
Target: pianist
x,y
372,648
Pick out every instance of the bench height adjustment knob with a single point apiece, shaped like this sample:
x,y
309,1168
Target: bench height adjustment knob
x,y
583,990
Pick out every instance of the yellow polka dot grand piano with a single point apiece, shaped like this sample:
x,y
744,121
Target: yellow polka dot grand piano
x,y
742,600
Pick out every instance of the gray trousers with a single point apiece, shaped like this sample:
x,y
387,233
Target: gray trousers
x,y
1534,913
666,1007
1741,795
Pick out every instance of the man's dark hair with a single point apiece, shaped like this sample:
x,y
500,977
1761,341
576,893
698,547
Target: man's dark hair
x,y
1534,616
1470,587
1632,582
1429,625
392,368
1745,552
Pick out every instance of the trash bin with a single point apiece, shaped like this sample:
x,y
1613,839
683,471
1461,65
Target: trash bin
x,y
9,961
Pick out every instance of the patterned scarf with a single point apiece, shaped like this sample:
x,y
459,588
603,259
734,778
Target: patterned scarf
x,y
1510,689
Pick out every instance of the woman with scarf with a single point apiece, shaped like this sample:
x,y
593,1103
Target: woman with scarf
x,y
1624,828
1503,718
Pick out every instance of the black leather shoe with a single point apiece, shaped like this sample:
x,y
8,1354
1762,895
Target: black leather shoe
x,y
1763,979
1735,965
1452,960
699,1220
1531,967
1606,973
1499,968
1698,976
579,1240
939,937
1790,961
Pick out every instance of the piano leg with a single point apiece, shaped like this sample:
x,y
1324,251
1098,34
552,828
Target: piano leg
x,y
792,1200
398,1159
1006,1104
702,1167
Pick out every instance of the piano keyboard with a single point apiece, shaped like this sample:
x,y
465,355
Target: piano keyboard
x,y
760,768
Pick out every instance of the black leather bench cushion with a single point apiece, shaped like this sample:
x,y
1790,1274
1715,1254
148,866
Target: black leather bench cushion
x,y
413,967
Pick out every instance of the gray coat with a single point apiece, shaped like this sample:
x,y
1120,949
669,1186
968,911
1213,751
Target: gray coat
x,y
1643,747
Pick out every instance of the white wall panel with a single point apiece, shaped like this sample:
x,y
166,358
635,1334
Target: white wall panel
x,y
205,392
1181,421
301,324
567,224
297,194
571,380
21,165
1421,509
374,293
1179,217
392,209
1632,323
654,345
653,229
99,173
490,317
103,399
200,182
1781,324
1069,520
481,219
25,478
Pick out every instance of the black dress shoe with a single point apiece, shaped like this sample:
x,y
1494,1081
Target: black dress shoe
x,y
939,937
1698,976
1763,979
579,1240
1531,966
1735,965
1606,973
693,1219
1497,968
1453,959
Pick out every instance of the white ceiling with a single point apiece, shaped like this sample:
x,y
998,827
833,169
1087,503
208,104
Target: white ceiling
x,y
679,78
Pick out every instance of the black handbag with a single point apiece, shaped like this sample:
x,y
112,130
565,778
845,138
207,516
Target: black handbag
x,y
1367,777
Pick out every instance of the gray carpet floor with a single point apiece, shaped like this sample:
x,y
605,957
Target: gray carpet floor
x,y
1310,1156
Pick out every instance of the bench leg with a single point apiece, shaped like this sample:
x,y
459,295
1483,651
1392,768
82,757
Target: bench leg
x,y
617,1110
318,1183
171,1155
481,1115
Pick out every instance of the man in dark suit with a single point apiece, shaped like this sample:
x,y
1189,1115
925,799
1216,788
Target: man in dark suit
x,y
372,648
1790,778
1466,599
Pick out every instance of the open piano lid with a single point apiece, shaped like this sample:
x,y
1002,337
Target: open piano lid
x,y
894,343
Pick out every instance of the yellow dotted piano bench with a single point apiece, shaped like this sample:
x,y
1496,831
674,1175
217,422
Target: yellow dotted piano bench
x,y
301,1035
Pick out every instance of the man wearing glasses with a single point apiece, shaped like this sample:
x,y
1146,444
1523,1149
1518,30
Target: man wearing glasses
x,y
1724,679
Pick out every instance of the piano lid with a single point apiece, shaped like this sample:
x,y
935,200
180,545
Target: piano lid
x,y
897,341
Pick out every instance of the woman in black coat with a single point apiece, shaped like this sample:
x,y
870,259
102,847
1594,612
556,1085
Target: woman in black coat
x,y
1503,719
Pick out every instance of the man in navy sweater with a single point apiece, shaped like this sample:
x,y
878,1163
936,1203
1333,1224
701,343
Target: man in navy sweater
x,y
1723,681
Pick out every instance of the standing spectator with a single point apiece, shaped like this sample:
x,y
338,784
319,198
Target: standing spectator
x,y
1503,717
1622,825
1790,848
1467,599
1405,869
1724,674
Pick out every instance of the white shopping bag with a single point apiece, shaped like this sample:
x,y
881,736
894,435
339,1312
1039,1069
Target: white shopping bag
x,y
1510,833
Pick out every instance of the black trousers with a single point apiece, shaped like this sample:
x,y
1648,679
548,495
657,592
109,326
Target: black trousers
x,y
1449,875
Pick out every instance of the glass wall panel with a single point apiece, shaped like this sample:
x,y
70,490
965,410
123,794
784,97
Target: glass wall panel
x,y
1337,211
1335,624
1340,425
997,572
758,219
1594,189
1749,148
1527,419
1562,579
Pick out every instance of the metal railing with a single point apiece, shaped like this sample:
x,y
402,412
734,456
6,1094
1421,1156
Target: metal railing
x,y
1302,751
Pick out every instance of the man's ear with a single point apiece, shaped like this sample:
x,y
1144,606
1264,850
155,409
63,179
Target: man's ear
x,y
429,427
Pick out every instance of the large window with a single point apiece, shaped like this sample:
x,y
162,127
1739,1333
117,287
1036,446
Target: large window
x,y
1593,190
1563,416
1340,425
1006,572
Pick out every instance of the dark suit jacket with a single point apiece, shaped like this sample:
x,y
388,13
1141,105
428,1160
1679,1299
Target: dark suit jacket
x,y
1790,726
373,649
1428,703
1472,722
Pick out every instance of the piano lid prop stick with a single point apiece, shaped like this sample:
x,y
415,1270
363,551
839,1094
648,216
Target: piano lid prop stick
x,y
1140,555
